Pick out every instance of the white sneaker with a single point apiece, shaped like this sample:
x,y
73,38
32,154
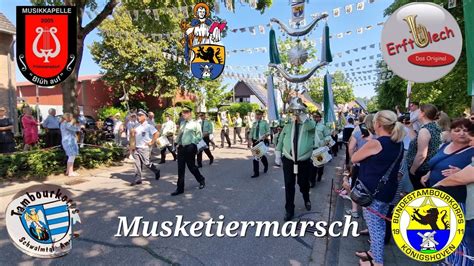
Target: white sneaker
x,y
73,174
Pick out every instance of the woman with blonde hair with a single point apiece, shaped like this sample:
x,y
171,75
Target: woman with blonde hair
x,y
69,128
360,136
379,164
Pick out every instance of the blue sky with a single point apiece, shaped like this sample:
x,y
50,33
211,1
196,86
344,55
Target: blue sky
x,y
246,17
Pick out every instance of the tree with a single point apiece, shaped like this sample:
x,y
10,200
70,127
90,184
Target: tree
x,y
447,93
342,89
69,86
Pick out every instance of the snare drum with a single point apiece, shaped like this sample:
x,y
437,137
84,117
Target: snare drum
x,y
259,150
321,156
330,142
163,142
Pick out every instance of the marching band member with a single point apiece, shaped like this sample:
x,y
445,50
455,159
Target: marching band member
x,y
322,132
296,143
206,129
259,132
189,136
145,136
168,129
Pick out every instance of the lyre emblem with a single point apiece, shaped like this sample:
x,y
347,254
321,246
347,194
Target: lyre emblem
x,y
419,32
46,52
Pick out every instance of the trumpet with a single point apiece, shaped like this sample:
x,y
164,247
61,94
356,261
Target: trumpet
x,y
419,32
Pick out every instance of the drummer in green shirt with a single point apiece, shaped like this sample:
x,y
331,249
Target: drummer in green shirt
x,y
323,136
189,135
260,132
206,129
296,144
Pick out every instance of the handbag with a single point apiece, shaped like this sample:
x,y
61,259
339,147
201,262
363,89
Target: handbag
x,y
361,195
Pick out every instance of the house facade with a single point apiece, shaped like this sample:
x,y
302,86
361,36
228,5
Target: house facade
x,y
92,94
7,69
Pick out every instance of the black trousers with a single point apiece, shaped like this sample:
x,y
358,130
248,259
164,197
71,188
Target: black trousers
x,y
335,148
316,172
207,151
304,170
237,132
169,148
264,159
53,138
348,157
225,135
415,179
187,156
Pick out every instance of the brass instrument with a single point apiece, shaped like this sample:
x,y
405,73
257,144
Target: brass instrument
x,y
419,32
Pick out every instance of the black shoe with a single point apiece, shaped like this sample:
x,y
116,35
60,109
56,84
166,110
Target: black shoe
x,y
177,192
319,179
157,174
202,184
265,170
135,183
161,162
199,166
312,184
288,217
308,205
255,176
211,160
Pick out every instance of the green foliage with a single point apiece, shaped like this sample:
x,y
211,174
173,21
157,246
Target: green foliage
x,y
342,89
372,104
241,108
449,93
108,111
216,95
41,163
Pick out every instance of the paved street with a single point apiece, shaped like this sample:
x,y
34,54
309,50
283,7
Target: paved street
x,y
104,194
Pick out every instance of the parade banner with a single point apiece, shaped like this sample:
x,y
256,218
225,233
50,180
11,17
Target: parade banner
x,y
297,11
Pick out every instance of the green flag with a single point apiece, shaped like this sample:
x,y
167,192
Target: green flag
x,y
274,54
469,32
329,116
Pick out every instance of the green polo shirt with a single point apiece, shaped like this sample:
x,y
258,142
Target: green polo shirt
x,y
206,126
305,139
263,128
322,134
189,133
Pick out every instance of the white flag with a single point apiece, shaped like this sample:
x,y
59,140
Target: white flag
x,y
360,6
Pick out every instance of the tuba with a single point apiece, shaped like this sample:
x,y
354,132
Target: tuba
x,y
419,32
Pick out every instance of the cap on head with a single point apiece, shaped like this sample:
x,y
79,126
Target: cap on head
x,y
259,112
142,112
186,108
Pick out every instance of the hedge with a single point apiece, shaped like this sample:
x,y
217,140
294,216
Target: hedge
x,y
41,163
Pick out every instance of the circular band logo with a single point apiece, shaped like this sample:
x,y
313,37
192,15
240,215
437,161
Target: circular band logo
x,y
39,221
428,225
421,42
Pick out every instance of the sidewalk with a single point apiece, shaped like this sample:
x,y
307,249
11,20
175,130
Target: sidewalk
x,y
341,251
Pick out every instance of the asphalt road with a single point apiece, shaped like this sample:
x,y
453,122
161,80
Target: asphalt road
x,y
105,194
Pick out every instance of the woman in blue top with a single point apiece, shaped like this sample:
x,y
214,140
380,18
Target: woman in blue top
x,y
375,159
69,128
449,159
